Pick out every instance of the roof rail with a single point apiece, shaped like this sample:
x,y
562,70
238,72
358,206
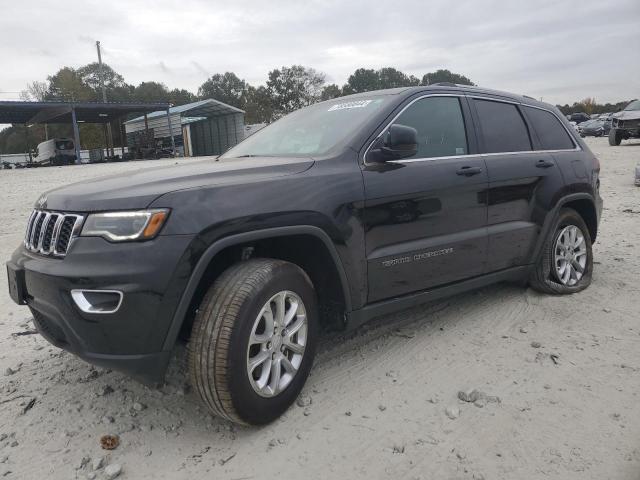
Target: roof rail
x,y
444,84
527,96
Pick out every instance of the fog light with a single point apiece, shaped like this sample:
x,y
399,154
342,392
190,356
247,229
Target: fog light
x,y
97,301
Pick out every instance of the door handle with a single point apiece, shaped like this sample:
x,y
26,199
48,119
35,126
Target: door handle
x,y
544,163
469,171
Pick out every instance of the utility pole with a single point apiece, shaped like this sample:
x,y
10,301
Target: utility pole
x,y
108,135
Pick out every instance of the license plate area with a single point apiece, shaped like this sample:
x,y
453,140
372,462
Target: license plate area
x,y
17,285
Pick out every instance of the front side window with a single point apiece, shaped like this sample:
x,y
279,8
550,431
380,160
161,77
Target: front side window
x,y
550,131
440,126
503,127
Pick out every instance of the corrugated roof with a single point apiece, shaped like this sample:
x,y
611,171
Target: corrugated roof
x,y
203,108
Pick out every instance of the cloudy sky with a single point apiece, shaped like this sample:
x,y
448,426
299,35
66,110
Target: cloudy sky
x,y
559,50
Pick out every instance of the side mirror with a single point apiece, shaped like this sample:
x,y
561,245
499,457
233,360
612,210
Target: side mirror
x,y
400,141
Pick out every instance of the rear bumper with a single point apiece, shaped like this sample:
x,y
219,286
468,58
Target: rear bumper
x,y
129,340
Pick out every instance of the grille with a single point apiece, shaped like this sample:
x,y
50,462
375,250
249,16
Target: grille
x,y
51,233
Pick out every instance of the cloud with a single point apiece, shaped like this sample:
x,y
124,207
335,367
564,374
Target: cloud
x,y
560,50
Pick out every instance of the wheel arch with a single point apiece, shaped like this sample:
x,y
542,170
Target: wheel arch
x,y
229,250
583,203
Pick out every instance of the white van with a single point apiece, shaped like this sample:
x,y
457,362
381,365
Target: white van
x,y
56,151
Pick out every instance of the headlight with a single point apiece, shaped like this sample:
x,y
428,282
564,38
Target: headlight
x,y
124,226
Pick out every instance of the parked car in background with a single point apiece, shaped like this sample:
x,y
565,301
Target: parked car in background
x,y
574,125
625,124
579,117
595,128
56,151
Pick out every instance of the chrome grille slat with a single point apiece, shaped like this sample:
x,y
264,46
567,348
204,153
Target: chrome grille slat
x,y
51,233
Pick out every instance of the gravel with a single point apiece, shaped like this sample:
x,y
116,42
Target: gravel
x,y
553,433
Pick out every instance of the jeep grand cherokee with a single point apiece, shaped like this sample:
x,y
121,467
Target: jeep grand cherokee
x,y
339,212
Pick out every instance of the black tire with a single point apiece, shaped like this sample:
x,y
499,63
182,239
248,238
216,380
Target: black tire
x,y
543,276
615,137
220,339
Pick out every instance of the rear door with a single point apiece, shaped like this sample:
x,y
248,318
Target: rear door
x,y
425,216
522,181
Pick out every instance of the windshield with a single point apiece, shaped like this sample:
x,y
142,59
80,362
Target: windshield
x,y
64,145
635,105
310,131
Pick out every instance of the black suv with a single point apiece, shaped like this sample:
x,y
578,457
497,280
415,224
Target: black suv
x,y
339,212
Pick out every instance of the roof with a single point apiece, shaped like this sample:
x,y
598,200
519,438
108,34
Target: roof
x,y
448,87
60,112
203,108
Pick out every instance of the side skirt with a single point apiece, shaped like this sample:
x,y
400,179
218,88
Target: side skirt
x,y
359,317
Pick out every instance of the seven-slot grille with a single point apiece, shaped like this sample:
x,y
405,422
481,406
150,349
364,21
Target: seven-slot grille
x,y
50,233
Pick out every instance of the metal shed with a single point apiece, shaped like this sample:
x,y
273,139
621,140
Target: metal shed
x,y
207,127
76,112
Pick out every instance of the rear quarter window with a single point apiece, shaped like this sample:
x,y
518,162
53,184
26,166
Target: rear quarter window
x,y
551,133
503,127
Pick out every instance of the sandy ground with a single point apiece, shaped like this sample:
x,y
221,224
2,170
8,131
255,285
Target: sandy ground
x,y
569,409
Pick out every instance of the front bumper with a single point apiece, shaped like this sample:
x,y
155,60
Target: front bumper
x,y
151,276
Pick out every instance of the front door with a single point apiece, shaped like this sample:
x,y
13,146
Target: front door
x,y
425,216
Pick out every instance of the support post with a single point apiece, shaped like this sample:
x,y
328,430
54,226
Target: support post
x,y
123,136
76,135
173,141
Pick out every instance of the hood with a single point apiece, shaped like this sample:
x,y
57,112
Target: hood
x,y
627,115
133,190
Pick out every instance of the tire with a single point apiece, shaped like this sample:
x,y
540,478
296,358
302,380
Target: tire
x,y
219,349
615,137
544,276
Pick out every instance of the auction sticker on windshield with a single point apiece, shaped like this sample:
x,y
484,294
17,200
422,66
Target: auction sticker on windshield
x,y
346,105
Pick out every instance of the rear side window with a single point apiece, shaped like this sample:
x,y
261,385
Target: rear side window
x,y
503,127
440,126
551,133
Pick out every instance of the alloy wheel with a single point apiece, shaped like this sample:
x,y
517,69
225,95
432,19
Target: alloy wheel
x,y
570,255
277,344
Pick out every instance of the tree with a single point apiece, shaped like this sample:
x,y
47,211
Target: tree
x,y
151,92
330,91
67,85
443,75
366,80
180,96
294,87
226,88
389,77
35,91
258,106
362,80
117,89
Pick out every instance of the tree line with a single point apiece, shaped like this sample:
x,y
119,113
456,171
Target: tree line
x,y
286,89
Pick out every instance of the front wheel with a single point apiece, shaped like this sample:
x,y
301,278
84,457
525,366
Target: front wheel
x,y
566,261
615,137
253,340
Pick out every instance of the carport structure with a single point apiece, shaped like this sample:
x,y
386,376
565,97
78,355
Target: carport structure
x,y
29,113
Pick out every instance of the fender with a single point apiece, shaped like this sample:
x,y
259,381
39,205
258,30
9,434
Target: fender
x,y
219,245
552,216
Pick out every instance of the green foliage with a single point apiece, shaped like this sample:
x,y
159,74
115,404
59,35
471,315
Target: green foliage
x,y
366,80
151,92
294,87
227,88
258,105
330,91
589,105
444,75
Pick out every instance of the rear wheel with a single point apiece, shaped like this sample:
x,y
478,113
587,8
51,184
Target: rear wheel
x,y
566,261
615,137
253,340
